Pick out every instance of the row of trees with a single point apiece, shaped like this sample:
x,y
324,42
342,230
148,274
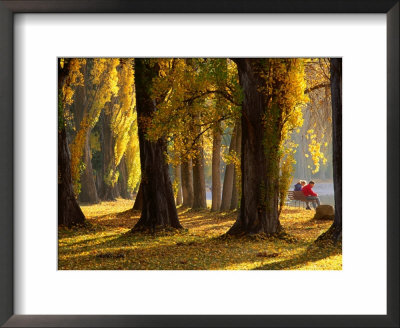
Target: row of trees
x,y
101,128
176,111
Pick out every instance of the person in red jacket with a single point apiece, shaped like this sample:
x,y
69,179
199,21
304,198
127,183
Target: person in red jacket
x,y
311,196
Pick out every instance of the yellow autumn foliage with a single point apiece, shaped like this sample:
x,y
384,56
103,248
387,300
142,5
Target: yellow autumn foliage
x,y
102,84
123,115
75,78
285,85
132,155
190,95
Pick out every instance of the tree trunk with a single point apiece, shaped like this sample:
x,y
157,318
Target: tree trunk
x,y
236,183
335,231
187,183
199,182
228,178
110,188
177,170
78,106
259,159
88,192
100,184
69,212
159,209
216,173
138,205
123,180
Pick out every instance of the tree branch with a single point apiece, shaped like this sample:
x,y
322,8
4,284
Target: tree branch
x,y
199,135
318,86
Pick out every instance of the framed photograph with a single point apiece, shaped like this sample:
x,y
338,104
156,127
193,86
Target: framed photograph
x,y
251,201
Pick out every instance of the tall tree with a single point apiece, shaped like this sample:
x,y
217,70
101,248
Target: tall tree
x,y
123,117
216,173
199,182
158,199
100,85
119,115
196,95
177,176
335,231
69,212
132,155
273,97
318,116
222,106
123,180
187,183
236,177
88,190
110,173
229,174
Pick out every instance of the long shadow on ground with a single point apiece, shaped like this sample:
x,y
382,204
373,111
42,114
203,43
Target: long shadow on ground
x,y
313,253
186,250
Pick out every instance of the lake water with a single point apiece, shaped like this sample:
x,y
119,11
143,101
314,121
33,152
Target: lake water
x,y
325,193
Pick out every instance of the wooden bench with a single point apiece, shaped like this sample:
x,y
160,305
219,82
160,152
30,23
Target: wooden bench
x,y
297,196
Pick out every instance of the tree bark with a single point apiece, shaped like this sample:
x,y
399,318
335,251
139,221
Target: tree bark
x,y
88,192
228,178
187,183
158,209
216,170
199,182
138,204
259,161
110,190
123,180
334,233
236,183
78,106
177,171
69,212
100,184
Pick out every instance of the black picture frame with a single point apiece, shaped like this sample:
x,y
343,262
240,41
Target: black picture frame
x,y
7,10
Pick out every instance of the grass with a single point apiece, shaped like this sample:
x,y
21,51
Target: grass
x,y
106,244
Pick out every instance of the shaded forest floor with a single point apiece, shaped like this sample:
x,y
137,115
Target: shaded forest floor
x,y
106,243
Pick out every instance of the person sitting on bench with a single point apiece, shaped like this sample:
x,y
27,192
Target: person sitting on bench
x,y
299,185
311,195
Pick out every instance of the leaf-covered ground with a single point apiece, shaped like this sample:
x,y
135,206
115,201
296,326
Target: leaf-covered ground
x,y
106,243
